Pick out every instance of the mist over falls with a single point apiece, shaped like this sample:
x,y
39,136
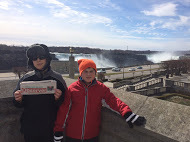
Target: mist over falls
x,y
163,56
100,60
103,61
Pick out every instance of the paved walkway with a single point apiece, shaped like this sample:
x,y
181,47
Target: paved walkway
x,y
8,76
109,84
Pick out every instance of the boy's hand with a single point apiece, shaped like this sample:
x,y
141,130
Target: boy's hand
x,y
18,96
132,118
58,137
57,94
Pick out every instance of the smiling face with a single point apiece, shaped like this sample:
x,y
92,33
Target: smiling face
x,y
39,63
88,75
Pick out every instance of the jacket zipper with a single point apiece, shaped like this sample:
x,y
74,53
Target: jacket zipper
x,y
67,115
85,112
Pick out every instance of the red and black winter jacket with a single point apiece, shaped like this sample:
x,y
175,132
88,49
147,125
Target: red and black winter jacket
x,y
80,114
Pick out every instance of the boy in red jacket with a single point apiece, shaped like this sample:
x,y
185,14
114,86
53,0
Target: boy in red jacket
x,y
80,114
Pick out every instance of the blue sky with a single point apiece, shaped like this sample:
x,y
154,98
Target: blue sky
x,y
161,25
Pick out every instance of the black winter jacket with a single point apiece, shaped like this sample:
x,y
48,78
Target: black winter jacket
x,y
40,111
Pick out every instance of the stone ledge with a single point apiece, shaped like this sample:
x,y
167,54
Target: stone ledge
x,y
115,129
164,118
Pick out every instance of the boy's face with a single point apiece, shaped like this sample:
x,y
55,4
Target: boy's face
x,y
88,75
39,62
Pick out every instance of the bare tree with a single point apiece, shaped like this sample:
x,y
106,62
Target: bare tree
x,y
101,76
176,66
185,65
165,65
20,71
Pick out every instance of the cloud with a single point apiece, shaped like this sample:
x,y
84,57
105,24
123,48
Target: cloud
x,y
14,6
166,9
184,2
66,12
28,6
171,23
80,17
108,4
4,5
175,22
55,2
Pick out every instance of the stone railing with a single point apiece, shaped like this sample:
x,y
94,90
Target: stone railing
x,y
149,83
178,86
151,91
131,81
166,121
154,82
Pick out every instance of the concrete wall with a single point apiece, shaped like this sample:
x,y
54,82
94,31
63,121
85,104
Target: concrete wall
x,y
7,87
151,91
178,86
142,80
166,121
115,129
121,83
147,88
9,121
131,81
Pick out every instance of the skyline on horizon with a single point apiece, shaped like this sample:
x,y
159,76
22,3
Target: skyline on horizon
x,y
123,24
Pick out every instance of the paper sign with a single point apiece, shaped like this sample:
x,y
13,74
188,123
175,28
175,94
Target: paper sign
x,y
38,87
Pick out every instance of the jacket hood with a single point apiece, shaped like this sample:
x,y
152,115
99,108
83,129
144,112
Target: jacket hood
x,y
37,50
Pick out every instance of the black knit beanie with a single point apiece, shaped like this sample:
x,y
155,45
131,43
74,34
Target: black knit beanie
x,y
37,50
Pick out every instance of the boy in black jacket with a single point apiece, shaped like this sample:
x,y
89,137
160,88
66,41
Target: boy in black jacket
x,y
37,120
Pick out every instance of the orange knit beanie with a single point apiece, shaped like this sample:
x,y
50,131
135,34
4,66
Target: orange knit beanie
x,y
86,63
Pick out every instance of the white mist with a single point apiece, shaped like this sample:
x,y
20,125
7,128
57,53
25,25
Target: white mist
x,y
162,56
100,61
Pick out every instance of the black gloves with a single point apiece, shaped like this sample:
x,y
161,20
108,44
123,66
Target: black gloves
x,y
58,137
132,118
